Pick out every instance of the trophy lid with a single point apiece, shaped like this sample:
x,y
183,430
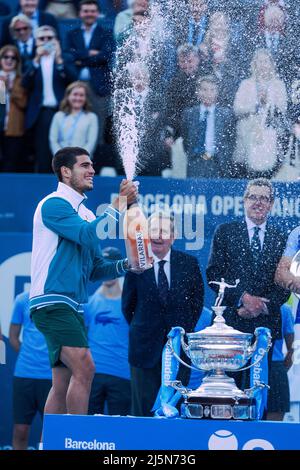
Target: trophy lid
x,y
219,328
215,330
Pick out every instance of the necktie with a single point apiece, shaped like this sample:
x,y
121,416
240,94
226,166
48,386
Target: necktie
x,y
255,244
25,50
162,283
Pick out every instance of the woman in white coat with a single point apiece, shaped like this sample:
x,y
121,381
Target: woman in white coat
x,y
260,106
74,125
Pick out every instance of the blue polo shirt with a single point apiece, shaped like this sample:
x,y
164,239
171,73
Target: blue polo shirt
x,y
107,335
33,359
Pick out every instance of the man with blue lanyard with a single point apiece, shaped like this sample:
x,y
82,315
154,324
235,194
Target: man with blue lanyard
x,y
66,255
32,376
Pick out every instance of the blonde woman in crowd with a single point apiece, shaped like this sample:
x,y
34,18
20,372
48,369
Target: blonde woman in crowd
x,y
260,106
12,126
74,125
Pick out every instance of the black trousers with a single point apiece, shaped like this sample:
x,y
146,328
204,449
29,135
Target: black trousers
x,y
111,392
145,384
43,155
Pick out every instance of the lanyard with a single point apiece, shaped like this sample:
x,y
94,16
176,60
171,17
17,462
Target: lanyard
x,y
193,27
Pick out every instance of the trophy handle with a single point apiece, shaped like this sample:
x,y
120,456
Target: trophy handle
x,y
179,387
252,349
183,344
170,343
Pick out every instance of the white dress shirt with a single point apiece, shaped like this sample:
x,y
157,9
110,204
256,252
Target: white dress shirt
x,y
29,44
250,227
210,128
87,37
167,267
47,64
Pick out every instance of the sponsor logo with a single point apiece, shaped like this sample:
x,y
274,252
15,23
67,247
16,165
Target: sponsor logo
x,y
88,445
226,440
140,245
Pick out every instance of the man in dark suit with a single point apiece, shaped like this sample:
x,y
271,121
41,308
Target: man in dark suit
x,y
45,80
169,294
207,130
90,47
250,250
21,31
36,16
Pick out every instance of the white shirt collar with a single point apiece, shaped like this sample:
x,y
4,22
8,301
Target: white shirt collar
x,y
210,109
251,225
71,195
167,257
34,15
91,30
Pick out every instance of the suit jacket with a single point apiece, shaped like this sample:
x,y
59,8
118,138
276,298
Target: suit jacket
x,y
99,65
149,322
33,82
192,129
44,19
231,258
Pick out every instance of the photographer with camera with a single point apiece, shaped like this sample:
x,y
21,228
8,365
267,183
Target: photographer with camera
x,y
46,81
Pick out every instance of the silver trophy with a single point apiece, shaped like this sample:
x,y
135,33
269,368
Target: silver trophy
x,y
214,350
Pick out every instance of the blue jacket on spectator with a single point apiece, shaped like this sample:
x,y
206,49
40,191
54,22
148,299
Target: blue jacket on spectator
x,y
33,81
98,65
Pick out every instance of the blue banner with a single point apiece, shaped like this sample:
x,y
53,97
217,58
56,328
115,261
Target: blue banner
x,y
130,433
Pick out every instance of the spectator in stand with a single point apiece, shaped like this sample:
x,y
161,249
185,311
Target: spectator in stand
x,y
74,125
143,42
108,341
90,47
65,9
12,130
277,35
123,19
4,9
279,394
182,90
194,23
216,52
260,106
207,130
36,16
21,32
290,170
32,376
45,81
2,104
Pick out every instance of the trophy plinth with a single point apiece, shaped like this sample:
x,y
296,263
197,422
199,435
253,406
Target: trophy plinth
x,y
214,350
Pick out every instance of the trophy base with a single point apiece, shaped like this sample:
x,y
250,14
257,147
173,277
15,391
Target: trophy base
x,y
218,408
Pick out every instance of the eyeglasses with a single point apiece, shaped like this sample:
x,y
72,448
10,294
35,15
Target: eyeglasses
x,y
24,28
254,198
46,38
9,57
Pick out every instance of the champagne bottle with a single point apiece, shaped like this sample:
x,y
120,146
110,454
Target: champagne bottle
x,y
137,242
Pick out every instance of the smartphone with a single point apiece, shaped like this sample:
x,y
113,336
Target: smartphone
x,y
49,47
